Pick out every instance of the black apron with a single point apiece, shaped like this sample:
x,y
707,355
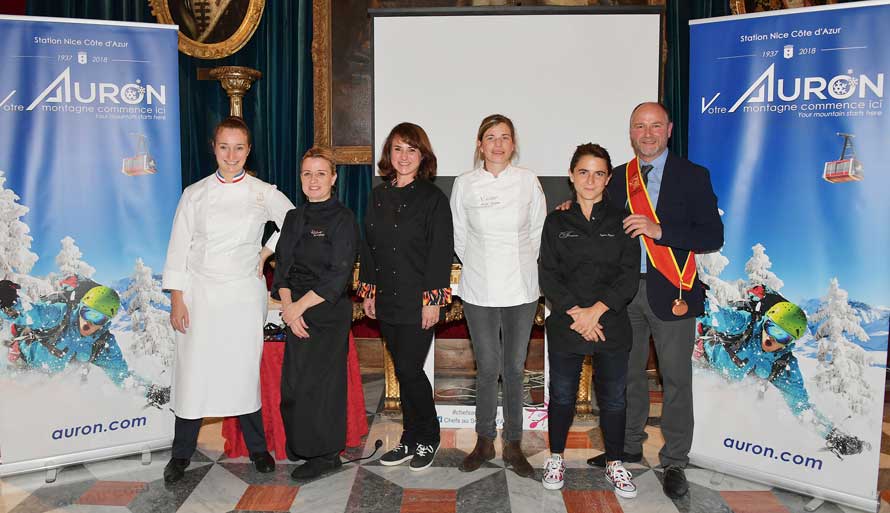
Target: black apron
x,y
313,377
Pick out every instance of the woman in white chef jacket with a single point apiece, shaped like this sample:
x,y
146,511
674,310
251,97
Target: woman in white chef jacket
x,y
499,211
218,298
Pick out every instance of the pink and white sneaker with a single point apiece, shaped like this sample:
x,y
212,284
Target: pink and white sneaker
x,y
621,479
554,472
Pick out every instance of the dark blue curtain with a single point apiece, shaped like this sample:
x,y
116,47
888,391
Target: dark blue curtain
x,y
354,184
676,77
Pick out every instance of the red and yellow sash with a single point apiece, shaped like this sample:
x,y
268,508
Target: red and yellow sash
x,y
661,257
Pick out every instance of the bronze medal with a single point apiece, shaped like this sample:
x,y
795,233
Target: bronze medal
x,y
679,307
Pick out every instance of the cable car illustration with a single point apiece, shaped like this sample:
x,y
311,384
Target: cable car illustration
x,y
846,168
142,163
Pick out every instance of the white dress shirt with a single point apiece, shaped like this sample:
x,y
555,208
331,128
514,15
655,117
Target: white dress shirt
x,y
497,235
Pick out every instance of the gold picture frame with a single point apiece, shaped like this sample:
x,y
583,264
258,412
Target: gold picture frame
x,y
210,30
322,66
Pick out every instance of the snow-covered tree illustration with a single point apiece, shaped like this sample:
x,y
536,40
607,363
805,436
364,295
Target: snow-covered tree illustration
x,y
758,270
842,363
69,260
16,257
720,292
153,335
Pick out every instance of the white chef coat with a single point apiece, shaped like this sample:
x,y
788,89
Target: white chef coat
x,y
497,235
213,258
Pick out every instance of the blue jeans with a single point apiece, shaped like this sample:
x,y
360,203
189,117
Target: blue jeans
x,y
609,378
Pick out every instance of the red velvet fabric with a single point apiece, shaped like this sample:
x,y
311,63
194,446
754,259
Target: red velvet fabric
x,y
270,390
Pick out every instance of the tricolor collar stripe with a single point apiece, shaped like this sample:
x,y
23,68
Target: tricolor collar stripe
x,y
237,178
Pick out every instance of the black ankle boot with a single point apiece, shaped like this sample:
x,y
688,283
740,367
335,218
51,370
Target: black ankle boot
x,y
175,469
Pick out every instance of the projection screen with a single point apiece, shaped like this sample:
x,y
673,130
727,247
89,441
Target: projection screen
x,y
565,77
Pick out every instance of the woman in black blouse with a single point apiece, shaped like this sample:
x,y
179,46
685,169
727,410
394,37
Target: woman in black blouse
x,y
405,279
589,271
315,256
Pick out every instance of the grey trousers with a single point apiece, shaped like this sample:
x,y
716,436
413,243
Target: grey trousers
x,y
500,344
674,341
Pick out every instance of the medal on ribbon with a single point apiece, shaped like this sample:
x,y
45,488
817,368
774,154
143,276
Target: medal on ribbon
x,y
662,258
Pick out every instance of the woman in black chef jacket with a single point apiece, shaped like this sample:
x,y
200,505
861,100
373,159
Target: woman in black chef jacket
x,y
316,254
405,279
589,271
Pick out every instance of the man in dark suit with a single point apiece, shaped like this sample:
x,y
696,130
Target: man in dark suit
x,y
667,301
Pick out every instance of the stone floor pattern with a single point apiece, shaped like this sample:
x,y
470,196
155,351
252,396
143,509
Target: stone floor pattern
x,y
214,483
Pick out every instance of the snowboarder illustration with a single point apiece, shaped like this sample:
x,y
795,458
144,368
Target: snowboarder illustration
x,y
755,338
71,327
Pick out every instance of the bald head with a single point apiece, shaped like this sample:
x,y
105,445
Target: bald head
x,y
651,104
650,129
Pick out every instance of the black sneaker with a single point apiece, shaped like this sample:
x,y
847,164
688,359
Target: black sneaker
x,y
423,456
400,454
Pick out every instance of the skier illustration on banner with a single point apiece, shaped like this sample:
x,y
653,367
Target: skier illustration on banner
x,y
70,328
755,338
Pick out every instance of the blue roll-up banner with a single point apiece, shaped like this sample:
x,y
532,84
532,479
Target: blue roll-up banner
x,y
89,180
787,111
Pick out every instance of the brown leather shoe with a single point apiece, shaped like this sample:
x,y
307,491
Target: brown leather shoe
x,y
513,456
483,452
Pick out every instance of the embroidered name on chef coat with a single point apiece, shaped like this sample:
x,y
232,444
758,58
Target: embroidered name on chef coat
x,y
568,235
317,233
488,200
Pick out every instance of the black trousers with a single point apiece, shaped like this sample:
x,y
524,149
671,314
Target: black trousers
x,y
185,434
409,344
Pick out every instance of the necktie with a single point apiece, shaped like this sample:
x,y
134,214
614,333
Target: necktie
x,y
644,170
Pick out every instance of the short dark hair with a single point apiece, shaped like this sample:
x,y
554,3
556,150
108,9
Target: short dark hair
x,y
659,104
234,122
588,149
415,137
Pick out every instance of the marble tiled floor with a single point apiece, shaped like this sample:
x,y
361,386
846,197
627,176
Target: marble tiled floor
x,y
214,483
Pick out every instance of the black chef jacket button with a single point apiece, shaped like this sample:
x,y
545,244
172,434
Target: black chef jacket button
x,y
395,226
393,249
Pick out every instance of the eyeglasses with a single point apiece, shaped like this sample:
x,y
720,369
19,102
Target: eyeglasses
x,y
93,316
776,332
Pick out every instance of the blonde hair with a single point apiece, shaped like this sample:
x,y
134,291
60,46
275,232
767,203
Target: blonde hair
x,y
320,152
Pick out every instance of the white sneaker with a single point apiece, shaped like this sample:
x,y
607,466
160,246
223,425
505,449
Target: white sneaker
x,y
554,472
621,480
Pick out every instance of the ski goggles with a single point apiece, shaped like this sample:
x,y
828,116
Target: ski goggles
x,y
775,332
93,316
